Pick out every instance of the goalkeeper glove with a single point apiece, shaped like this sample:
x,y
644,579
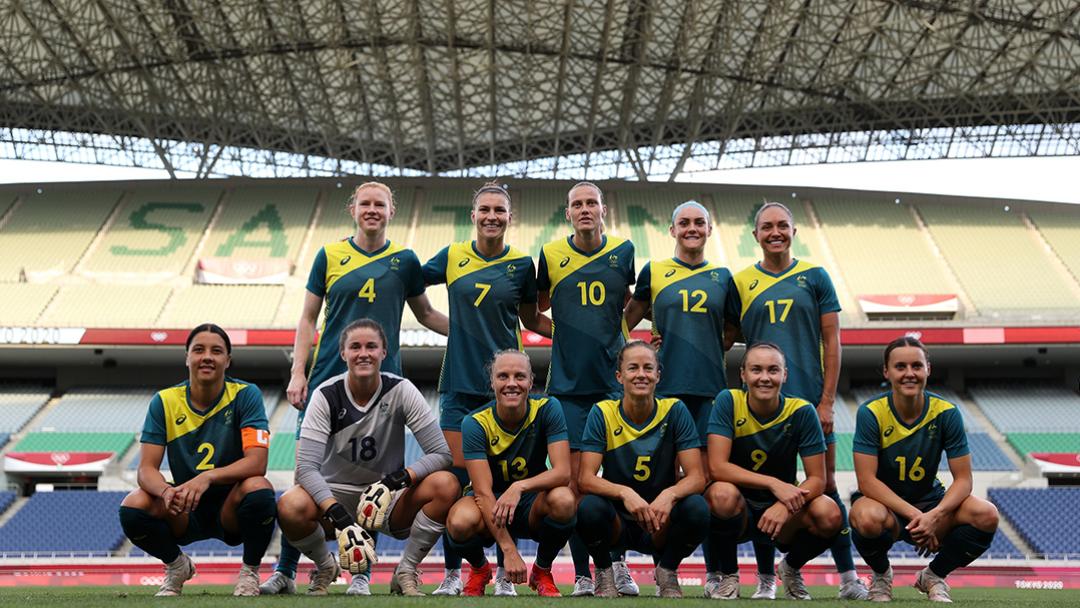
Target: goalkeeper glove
x,y
356,549
339,516
398,479
374,506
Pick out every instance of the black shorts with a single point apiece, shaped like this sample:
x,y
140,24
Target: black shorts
x,y
205,521
902,522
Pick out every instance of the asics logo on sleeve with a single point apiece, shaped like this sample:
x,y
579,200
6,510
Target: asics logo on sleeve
x,y
463,263
564,262
181,419
669,273
345,260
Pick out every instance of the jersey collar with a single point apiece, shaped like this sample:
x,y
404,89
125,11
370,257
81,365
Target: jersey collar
x,y
506,250
217,400
374,396
643,425
369,254
776,414
703,264
794,262
603,243
922,415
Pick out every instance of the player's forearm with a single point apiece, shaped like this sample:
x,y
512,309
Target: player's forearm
x,y
537,322
253,464
958,490
427,316
548,480
309,453
814,485
876,489
151,481
302,343
688,486
593,484
437,456
485,501
738,476
831,364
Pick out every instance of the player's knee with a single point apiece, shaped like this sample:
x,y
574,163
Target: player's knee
x,y
295,506
137,523
138,499
561,504
984,515
868,517
464,520
825,516
594,512
724,500
692,512
444,486
252,484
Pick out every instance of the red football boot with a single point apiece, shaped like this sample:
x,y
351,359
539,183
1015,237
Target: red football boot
x,y
541,581
477,581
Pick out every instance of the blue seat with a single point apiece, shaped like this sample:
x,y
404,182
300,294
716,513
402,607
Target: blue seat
x,y
1039,516
71,523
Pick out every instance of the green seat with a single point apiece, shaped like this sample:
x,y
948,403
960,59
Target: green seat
x,y
1045,442
45,441
282,455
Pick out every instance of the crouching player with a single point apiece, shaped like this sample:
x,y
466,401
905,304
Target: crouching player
x,y
514,494
215,431
351,459
640,503
755,437
899,438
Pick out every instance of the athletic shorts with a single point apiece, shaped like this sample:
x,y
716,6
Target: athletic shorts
x,y
902,522
453,407
205,521
519,528
350,499
700,409
576,410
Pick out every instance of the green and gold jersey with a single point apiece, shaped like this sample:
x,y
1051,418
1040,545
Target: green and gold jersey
x,y
484,297
197,441
642,457
909,455
587,292
689,307
513,454
355,284
786,309
767,446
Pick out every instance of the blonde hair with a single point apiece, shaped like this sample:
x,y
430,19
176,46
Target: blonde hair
x,y
492,187
377,186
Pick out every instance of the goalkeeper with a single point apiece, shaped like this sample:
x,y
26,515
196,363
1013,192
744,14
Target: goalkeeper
x,y
351,474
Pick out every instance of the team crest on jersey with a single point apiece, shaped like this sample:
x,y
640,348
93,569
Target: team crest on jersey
x,y
395,262
228,416
564,262
384,408
669,273
753,285
931,430
613,260
801,281
345,260
510,268
714,276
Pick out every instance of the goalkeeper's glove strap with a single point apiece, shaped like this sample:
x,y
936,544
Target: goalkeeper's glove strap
x,y
397,480
339,516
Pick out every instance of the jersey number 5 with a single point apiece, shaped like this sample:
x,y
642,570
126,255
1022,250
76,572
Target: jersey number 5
x,y
641,468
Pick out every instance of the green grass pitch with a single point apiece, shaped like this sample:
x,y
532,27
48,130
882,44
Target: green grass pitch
x,y
196,596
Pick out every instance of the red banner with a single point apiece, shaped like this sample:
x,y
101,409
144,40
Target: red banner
x,y
880,304
56,462
236,271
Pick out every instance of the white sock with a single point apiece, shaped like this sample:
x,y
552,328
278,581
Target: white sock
x,y
422,536
849,576
313,545
176,563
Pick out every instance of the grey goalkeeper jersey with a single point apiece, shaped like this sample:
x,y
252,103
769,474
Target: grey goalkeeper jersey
x,y
347,446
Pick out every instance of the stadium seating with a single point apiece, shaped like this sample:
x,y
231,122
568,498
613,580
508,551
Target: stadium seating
x,y
4,439
1060,230
1037,515
39,441
972,237
445,214
7,498
539,217
98,410
155,232
18,405
282,456
90,527
1026,443
859,231
48,232
23,303
231,306
1029,407
262,222
106,305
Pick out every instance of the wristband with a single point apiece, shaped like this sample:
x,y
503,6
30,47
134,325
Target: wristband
x,y
339,516
397,480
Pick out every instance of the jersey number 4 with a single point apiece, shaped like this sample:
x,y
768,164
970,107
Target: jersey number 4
x,y
367,291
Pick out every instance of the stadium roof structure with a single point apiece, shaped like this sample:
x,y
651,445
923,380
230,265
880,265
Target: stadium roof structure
x,y
568,88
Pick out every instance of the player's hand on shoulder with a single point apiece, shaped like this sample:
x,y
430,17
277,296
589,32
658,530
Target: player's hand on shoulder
x,y
356,549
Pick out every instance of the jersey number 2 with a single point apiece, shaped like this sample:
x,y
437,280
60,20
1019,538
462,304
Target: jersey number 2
x,y
205,464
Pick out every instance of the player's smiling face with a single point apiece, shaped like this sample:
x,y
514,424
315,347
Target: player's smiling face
x,y
364,352
764,373
511,380
691,229
907,371
207,357
639,372
585,209
371,209
774,230
491,215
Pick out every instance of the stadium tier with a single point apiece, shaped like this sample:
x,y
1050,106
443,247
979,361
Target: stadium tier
x,y
1037,515
1060,230
7,498
112,306
23,303
18,405
198,303
97,410
43,441
90,525
1029,407
262,222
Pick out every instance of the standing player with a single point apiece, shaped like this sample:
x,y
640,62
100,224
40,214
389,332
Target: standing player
x,y
694,309
585,279
215,431
899,438
792,303
640,503
507,444
351,459
364,276
490,286
755,438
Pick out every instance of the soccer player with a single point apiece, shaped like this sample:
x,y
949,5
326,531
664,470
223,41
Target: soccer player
x,y
792,303
507,444
215,431
490,286
899,438
351,459
755,437
585,280
640,503
694,311
364,276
